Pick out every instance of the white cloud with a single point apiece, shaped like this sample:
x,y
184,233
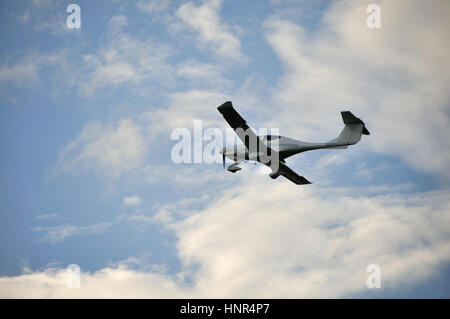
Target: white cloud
x,y
117,23
112,150
122,148
317,243
311,245
124,60
47,216
132,200
152,6
57,234
42,3
37,70
198,70
213,33
396,84
23,18
185,107
107,283
21,73
55,24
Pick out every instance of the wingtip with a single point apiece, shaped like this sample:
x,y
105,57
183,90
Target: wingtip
x,y
224,106
365,131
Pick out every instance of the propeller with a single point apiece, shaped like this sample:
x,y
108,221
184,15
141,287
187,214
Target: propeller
x,y
223,158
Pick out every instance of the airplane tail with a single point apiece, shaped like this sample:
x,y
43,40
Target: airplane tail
x,y
353,129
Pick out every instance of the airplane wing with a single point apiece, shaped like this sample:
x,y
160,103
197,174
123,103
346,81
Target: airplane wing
x,y
243,131
290,175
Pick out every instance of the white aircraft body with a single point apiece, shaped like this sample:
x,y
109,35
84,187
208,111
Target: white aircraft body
x,y
272,150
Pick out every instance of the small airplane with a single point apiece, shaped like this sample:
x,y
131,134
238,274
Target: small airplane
x,y
272,150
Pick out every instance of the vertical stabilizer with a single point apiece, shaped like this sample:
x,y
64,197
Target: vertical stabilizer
x,y
353,129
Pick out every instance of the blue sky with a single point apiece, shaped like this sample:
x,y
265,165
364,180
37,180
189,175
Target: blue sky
x,y
87,174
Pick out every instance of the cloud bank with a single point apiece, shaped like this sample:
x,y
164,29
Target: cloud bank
x,y
317,243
